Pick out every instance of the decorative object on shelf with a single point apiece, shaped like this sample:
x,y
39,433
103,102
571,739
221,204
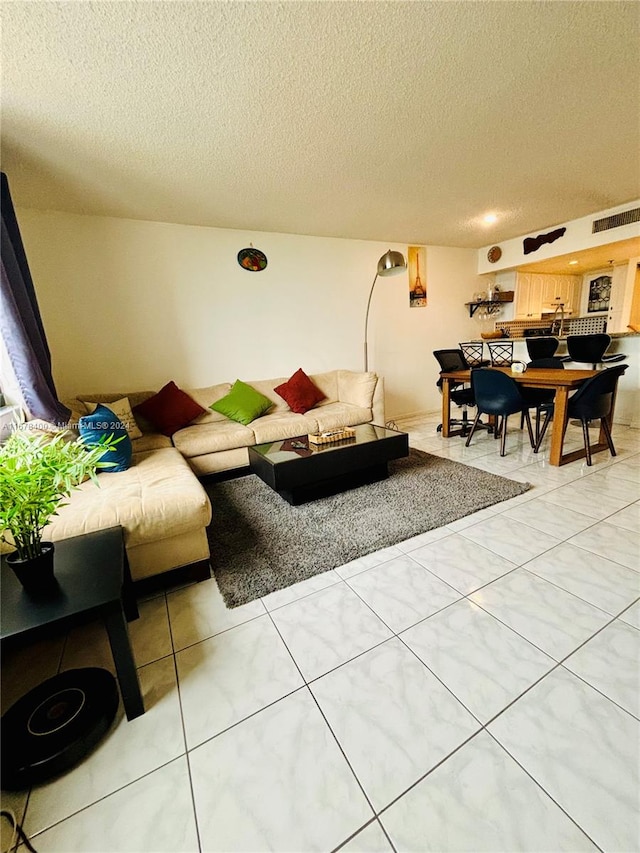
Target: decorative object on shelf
x,y
417,289
391,263
36,473
252,259
494,254
532,244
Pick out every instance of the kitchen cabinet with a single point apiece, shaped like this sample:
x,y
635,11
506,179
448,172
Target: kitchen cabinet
x,y
538,294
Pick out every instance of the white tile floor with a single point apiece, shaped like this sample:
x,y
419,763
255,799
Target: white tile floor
x,y
474,688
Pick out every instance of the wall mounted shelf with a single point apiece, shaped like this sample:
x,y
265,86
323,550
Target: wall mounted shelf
x,y
492,306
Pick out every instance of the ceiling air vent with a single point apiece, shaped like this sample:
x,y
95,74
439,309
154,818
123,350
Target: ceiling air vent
x,y
625,218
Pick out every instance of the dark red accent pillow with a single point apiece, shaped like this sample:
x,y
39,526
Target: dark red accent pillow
x,y
300,393
170,409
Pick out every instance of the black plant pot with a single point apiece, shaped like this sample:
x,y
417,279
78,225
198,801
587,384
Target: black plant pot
x,y
36,575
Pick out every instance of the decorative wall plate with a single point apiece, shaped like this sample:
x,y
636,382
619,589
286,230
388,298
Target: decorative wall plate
x,y
252,259
494,254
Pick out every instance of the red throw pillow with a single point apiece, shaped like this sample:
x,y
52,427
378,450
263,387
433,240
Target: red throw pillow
x,y
170,409
300,393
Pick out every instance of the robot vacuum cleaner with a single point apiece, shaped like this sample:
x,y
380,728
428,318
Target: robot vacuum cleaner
x,y
53,726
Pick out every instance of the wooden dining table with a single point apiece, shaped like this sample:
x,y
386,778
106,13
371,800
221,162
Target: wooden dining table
x,y
562,381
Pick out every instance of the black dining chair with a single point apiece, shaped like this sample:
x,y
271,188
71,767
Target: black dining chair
x,y
591,349
498,394
473,352
542,347
500,353
592,401
541,399
460,392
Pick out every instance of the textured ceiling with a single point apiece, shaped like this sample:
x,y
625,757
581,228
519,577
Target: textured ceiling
x,y
399,121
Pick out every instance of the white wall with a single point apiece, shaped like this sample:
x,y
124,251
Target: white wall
x,y
130,304
578,236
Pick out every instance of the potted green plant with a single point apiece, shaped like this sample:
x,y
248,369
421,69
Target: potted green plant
x,y
36,473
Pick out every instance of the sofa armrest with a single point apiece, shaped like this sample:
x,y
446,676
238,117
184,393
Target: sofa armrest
x,y
377,406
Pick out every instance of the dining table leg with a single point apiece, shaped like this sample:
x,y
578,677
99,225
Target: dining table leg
x,y
446,408
558,430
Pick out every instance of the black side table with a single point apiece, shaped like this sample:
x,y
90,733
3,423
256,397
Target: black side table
x,y
93,577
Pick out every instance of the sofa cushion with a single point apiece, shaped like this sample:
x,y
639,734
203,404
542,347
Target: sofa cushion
x,y
280,426
328,384
199,439
356,388
205,397
299,392
338,415
150,441
103,423
156,498
243,403
170,409
122,410
267,387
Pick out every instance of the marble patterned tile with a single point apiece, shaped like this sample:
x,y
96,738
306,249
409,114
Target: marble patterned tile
x,y
232,675
484,663
401,592
151,815
277,781
423,539
605,484
617,544
480,800
626,469
128,751
601,582
368,561
26,667
511,539
631,616
575,743
619,643
299,590
556,621
550,519
581,500
392,717
472,518
16,802
328,628
461,563
371,839
150,635
198,612
88,645
627,518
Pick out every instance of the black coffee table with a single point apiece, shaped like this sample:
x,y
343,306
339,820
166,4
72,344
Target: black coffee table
x,y
300,471
92,572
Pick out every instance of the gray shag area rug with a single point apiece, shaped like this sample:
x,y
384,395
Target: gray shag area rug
x,y
259,543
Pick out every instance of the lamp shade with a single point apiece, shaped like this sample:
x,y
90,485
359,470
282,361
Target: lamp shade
x,y
391,263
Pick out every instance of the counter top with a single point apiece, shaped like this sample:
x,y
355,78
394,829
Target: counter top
x,y
613,335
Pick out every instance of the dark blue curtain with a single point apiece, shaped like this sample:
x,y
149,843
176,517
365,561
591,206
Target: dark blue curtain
x,y
21,324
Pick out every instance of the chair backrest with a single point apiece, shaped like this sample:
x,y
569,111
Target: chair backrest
x,y
500,353
594,398
451,359
496,393
472,351
556,363
588,348
542,347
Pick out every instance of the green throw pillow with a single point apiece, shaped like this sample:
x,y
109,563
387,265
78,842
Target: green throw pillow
x,y
242,404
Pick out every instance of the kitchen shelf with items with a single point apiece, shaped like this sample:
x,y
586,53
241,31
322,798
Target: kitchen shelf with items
x,y
489,303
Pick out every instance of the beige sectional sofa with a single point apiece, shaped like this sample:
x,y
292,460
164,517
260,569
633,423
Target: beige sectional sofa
x,y
159,500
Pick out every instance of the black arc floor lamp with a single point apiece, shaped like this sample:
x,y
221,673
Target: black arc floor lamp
x,y
391,263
